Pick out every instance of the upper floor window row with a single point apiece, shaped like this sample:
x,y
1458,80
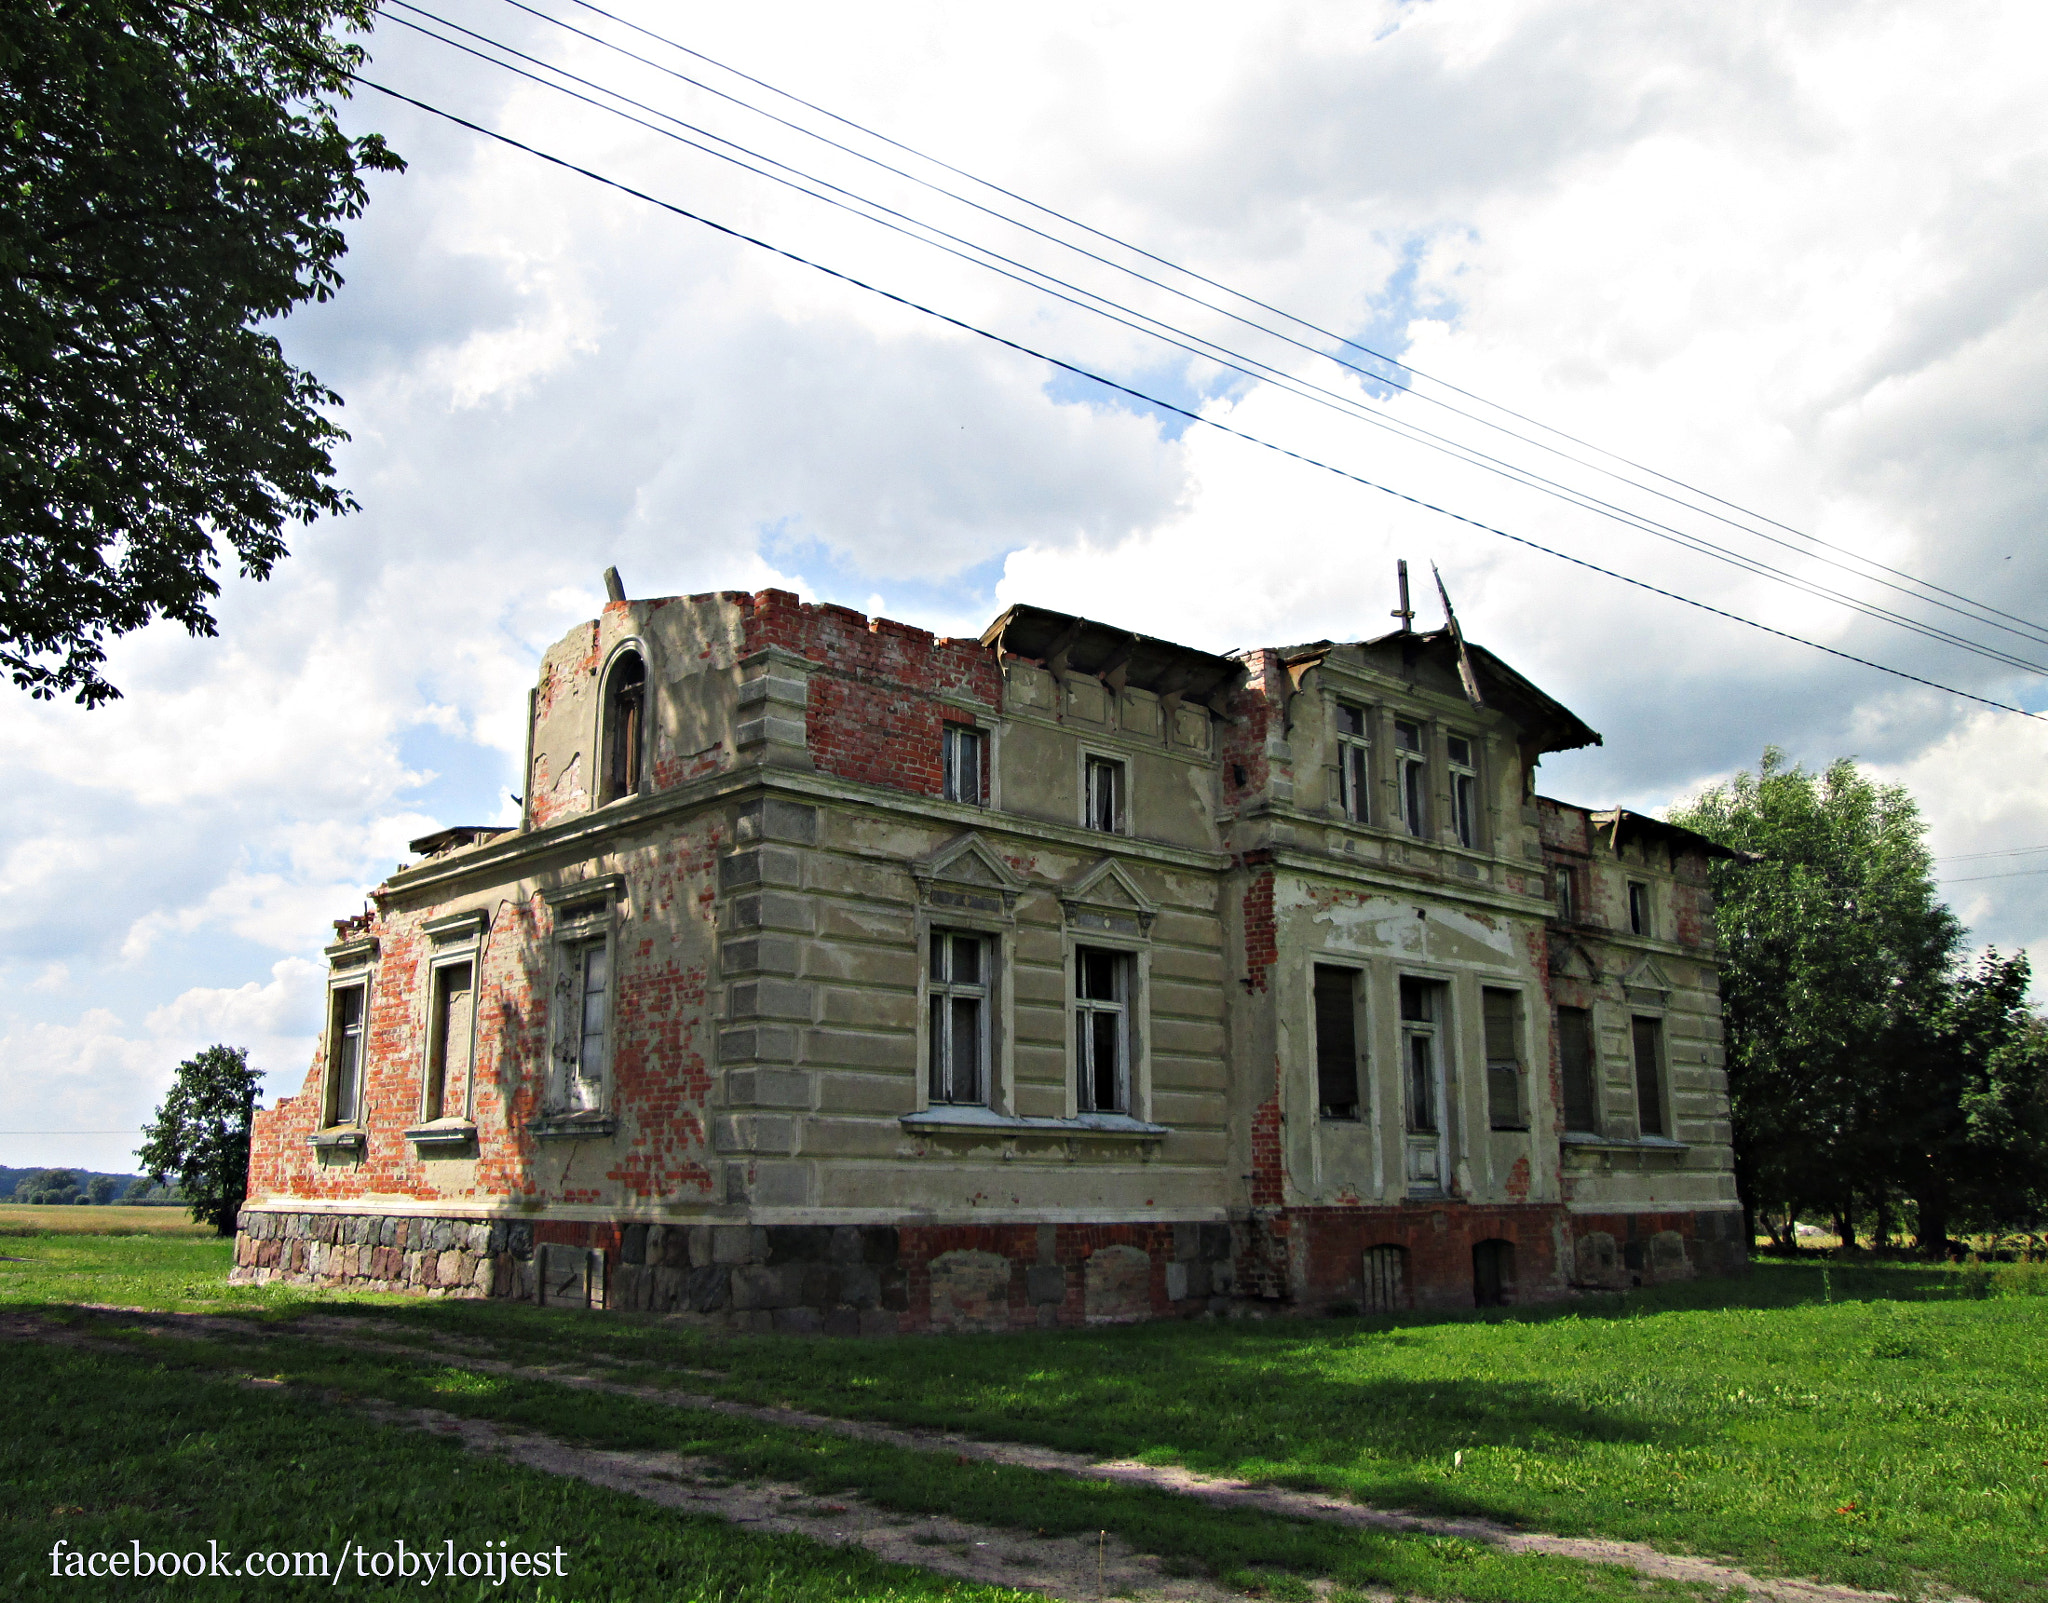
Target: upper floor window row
x,y
1416,793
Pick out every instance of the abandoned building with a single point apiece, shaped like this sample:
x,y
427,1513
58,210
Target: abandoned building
x,y
843,978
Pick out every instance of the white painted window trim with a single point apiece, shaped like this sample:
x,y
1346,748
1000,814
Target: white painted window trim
x,y
1137,953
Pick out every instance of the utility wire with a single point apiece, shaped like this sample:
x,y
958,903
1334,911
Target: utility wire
x,y
1155,401
1224,356
1976,611
1972,879
2011,851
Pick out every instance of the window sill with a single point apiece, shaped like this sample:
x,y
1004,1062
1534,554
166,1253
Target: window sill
x,y
338,1138
1647,1143
573,1127
439,1134
962,1120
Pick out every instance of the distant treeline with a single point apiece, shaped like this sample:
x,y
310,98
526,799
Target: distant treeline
x,y
65,1187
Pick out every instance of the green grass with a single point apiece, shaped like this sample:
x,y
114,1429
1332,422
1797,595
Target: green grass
x,y
108,1219
1198,1539
105,1450
1879,1425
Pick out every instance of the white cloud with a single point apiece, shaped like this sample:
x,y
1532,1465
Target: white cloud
x,y
1742,243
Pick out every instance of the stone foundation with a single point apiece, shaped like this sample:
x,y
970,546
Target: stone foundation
x,y
880,1279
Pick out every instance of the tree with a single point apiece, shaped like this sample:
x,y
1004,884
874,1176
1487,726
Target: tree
x,y
1835,953
101,1189
201,1134
47,1186
138,1189
174,176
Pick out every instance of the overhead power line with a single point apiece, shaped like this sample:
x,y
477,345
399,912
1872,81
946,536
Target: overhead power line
x,y
1202,347
1117,387
1972,879
1867,567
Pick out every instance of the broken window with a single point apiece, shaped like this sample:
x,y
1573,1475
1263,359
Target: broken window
x,y
1411,777
1105,798
1504,1110
448,1041
1354,764
582,1016
1648,1036
958,1054
1567,894
1102,1024
1386,1279
625,695
345,1053
1464,790
962,762
1639,908
1575,1068
1336,1002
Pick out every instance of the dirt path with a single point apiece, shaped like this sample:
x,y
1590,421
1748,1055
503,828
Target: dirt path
x,y
1216,1491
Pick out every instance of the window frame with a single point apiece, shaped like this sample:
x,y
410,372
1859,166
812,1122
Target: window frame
x,y
1440,1034
1654,1092
1597,1123
1119,766
1360,1064
1084,1010
356,984
611,785
1462,784
586,918
953,734
1412,777
1517,1064
1353,750
1564,892
434,1098
936,1049
1642,917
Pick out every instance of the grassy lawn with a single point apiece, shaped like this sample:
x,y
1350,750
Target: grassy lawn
x,y
1881,1426
105,1450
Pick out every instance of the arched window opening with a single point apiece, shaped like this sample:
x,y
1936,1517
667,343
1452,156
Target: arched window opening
x,y
1493,1273
625,700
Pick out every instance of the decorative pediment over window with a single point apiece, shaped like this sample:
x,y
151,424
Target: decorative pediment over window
x,y
967,873
1571,961
1647,982
1104,898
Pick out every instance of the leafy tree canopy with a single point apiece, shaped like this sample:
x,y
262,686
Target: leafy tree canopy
x,y
1866,1061
173,175
201,1134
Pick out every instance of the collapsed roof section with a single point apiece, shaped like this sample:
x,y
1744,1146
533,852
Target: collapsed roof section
x,y
1118,657
1622,825
1547,725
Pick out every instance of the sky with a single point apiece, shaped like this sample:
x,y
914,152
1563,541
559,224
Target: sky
x,y
1773,277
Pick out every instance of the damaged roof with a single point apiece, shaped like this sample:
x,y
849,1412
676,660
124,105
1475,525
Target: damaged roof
x,y
1118,657
1621,824
1547,724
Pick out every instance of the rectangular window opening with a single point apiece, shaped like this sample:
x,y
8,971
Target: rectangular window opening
x,y
345,1055
1464,790
962,761
958,1052
1649,1048
1105,797
1102,1030
1639,908
1575,1067
1411,777
448,1041
1567,895
1354,764
1421,1010
1336,1002
1504,1109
